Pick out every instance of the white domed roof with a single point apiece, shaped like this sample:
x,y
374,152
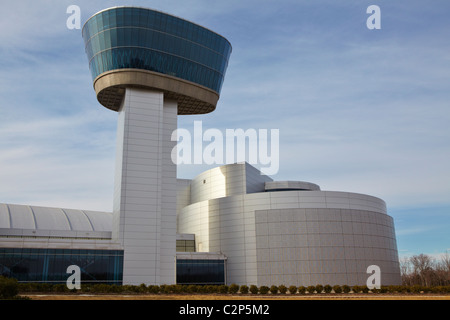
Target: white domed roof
x,y
13,216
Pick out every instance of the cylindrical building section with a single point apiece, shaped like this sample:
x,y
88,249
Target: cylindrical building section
x,y
290,232
144,48
296,237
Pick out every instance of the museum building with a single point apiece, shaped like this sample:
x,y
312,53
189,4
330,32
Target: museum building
x,y
230,224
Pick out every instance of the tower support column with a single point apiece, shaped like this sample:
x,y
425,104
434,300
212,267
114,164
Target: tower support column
x,y
144,219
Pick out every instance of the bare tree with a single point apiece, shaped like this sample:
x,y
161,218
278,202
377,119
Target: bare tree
x,y
445,260
443,270
424,270
422,267
405,270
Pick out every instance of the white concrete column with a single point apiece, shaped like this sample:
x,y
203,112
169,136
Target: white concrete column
x,y
144,220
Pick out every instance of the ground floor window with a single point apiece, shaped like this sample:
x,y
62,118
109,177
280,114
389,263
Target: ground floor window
x,y
50,265
200,271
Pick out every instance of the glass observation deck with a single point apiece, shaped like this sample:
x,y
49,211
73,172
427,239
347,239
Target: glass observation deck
x,y
140,38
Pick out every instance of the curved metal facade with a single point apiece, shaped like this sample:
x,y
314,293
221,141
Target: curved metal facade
x,y
288,237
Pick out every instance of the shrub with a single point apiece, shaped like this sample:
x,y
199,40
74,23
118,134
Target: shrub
x,y
264,289
207,289
283,289
273,289
346,288
375,290
337,289
356,289
60,288
399,289
142,288
359,289
213,288
9,288
192,288
311,289
293,289
327,288
24,287
243,289
33,287
163,288
319,288
100,288
426,289
383,289
86,288
153,289
44,287
301,290
440,289
233,289
176,288
253,289
222,289
404,289
204,289
114,288
417,289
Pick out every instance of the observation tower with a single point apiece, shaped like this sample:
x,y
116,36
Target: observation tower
x,y
149,67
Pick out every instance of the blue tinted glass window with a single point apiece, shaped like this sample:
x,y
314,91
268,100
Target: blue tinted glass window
x,y
201,271
106,21
120,17
128,19
166,44
35,265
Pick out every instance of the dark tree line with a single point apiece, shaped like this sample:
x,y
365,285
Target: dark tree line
x,y
424,270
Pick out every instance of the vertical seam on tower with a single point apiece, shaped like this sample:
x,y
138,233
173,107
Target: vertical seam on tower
x,y
159,183
123,197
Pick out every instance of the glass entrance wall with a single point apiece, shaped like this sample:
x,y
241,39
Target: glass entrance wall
x,y
50,265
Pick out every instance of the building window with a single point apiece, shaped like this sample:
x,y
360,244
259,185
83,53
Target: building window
x,y
50,265
200,271
185,245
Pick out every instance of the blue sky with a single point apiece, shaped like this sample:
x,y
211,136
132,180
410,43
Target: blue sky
x,y
358,110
